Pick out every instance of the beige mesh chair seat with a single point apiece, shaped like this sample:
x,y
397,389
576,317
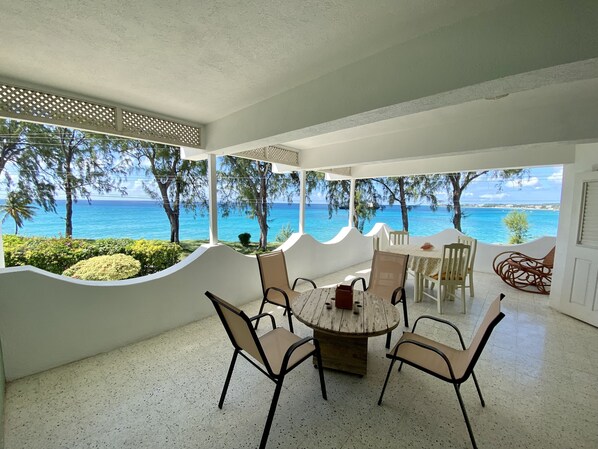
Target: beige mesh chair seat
x,y
275,353
473,247
525,273
387,281
275,283
398,238
442,361
451,274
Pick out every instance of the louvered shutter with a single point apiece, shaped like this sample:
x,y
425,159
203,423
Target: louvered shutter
x,y
588,230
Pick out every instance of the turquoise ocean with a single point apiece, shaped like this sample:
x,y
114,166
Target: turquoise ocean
x,y
146,219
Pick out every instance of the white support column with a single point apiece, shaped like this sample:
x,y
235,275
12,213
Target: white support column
x,y
352,203
302,202
213,199
1,248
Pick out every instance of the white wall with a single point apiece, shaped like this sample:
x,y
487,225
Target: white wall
x,y
48,320
586,160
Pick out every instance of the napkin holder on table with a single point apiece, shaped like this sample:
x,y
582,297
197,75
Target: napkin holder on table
x,y
344,297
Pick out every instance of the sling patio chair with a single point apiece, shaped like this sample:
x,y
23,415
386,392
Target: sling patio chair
x,y
275,353
451,274
525,273
387,281
275,283
473,246
444,362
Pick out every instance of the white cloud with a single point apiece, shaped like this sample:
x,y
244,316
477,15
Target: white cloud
x,y
493,196
468,194
557,176
532,181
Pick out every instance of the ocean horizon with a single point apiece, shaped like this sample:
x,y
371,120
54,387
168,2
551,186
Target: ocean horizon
x,y
140,219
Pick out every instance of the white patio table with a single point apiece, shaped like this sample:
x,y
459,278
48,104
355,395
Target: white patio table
x,y
421,261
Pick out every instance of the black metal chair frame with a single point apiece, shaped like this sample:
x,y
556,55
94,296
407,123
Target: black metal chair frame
x,y
455,381
287,308
393,299
276,378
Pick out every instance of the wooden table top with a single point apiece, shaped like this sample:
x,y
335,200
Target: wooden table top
x,y
376,316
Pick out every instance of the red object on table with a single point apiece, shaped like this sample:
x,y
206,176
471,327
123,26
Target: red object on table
x,y
344,297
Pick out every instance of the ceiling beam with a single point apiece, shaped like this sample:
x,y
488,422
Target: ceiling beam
x,y
493,52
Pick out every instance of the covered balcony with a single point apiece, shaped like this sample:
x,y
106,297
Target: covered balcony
x,y
352,89
163,391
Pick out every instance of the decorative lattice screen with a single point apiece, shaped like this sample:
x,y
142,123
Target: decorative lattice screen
x,y
37,106
144,126
272,154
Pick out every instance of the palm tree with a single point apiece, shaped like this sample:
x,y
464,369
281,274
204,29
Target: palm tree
x,y
18,207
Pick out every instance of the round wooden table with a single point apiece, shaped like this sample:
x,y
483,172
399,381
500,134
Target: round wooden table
x,y
343,334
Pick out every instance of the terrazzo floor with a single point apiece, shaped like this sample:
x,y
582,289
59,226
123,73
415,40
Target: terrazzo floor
x,y
539,376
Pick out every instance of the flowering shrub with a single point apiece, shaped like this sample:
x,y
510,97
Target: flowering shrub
x,y
154,255
105,268
57,254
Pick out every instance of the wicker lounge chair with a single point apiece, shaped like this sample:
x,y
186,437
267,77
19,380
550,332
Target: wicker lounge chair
x,y
525,273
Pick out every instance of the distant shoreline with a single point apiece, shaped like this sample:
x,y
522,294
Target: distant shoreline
x,y
555,207
542,206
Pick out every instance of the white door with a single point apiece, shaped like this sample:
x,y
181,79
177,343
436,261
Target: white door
x,y
581,267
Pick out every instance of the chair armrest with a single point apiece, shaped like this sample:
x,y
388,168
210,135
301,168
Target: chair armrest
x,y
292,348
286,297
354,281
393,299
427,347
440,320
263,315
306,280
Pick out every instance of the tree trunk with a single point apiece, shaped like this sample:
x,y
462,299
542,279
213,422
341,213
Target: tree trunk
x,y
69,212
174,228
457,210
173,215
262,205
403,203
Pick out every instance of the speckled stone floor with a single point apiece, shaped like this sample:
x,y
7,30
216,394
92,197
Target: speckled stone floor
x,y
539,376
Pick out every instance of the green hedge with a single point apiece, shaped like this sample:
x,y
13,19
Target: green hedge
x,y
57,254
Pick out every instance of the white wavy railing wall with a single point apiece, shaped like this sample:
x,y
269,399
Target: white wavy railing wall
x,y
48,320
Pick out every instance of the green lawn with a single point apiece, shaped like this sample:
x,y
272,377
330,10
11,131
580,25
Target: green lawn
x,y
191,245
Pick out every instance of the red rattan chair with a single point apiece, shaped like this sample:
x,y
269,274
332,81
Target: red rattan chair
x,y
525,273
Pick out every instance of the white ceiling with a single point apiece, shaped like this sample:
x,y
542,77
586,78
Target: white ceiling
x,y
202,60
382,86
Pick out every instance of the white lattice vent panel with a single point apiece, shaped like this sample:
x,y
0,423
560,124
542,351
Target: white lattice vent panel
x,y
31,105
272,154
38,105
145,126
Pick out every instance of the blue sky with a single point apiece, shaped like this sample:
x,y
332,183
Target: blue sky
x,y
542,185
